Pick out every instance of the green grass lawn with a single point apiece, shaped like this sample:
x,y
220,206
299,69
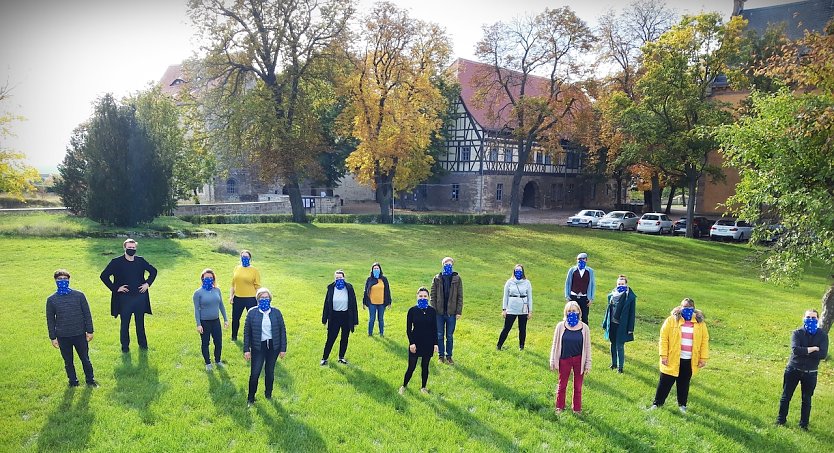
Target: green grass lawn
x,y
490,401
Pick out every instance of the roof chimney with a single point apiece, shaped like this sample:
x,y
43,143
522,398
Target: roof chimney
x,y
738,7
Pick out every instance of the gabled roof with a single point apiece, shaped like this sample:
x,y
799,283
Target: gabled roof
x,y
494,113
171,82
811,15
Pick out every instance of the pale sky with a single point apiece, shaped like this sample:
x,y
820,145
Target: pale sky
x,y
59,56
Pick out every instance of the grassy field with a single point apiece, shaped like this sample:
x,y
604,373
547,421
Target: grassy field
x,y
490,401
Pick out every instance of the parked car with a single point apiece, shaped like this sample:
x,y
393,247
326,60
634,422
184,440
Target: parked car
x,y
738,230
618,220
654,222
701,226
772,233
586,218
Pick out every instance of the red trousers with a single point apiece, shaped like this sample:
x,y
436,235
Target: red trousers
x,y
565,367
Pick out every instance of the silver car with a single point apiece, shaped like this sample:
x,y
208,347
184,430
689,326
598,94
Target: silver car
x,y
618,220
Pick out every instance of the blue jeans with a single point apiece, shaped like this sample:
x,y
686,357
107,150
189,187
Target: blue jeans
x,y
376,312
445,324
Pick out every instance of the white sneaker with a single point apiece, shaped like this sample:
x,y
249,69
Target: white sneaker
x,y
652,407
424,390
402,390
209,367
682,409
219,365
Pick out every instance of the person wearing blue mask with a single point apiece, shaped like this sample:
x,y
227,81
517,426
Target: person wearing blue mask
x,y
339,314
264,341
246,279
570,352
809,345
125,277
376,298
421,329
684,349
70,326
447,301
208,306
517,304
580,285
619,321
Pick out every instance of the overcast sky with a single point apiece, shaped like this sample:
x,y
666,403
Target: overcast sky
x,y
59,56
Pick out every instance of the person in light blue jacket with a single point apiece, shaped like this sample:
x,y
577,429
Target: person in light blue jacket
x,y
518,303
580,285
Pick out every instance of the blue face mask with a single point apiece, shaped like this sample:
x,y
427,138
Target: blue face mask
x,y
573,319
811,325
376,273
63,287
518,274
244,260
447,269
621,288
208,283
340,283
581,264
687,313
263,304
422,304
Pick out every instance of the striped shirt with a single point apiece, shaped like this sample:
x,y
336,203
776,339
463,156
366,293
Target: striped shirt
x,y
687,333
68,315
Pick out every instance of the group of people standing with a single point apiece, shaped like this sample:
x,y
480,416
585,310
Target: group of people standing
x,y
430,325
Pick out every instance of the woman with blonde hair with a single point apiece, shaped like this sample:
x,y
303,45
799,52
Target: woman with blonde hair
x,y
571,351
264,341
208,306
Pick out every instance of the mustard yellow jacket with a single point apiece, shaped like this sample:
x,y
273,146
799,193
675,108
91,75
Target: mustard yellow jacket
x,y
670,342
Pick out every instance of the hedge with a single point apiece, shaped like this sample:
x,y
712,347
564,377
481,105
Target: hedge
x,y
417,219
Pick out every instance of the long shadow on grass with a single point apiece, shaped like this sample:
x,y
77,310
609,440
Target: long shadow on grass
x,y
68,427
475,428
500,391
617,437
291,434
367,383
137,386
228,400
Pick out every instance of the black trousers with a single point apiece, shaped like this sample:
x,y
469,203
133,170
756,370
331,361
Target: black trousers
x,y
132,305
794,377
682,380
509,320
339,321
240,305
412,365
79,343
213,331
263,358
583,305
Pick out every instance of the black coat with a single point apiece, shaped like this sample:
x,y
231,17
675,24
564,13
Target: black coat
x,y
353,311
132,274
421,329
371,281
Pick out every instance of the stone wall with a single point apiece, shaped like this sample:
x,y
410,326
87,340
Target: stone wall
x,y
314,205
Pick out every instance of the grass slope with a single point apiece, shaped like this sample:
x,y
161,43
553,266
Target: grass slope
x,y
490,401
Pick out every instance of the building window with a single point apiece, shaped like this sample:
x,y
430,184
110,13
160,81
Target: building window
x,y
493,155
508,154
548,159
465,154
539,157
455,191
499,192
231,186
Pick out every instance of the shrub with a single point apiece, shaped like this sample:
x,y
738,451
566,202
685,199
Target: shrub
x,y
413,219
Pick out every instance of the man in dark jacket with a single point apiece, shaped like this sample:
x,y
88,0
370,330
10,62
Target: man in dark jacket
x,y
447,301
125,277
809,345
340,313
70,325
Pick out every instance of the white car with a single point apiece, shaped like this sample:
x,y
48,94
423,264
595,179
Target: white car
x,y
618,220
586,218
738,230
654,222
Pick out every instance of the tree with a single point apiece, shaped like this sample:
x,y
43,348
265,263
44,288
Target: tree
x,y
784,148
16,177
533,61
72,185
397,107
259,55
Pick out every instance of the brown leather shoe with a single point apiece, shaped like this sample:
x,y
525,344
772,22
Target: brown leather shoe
x,y
442,359
450,361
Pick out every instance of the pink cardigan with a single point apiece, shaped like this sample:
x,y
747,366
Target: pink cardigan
x,y
556,349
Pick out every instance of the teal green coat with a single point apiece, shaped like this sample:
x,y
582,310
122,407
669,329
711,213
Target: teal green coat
x,y
624,313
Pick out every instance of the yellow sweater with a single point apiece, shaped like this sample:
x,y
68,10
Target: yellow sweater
x,y
670,344
377,293
246,281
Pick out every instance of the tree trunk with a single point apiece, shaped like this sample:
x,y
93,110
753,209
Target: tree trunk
x,y
669,201
827,309
690,206
656,192
297,204
383,197
619,190
515,195
647,201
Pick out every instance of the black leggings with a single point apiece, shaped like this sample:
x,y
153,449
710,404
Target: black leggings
x,y
509,320
682,380
239,305
339,322
412,365
211,329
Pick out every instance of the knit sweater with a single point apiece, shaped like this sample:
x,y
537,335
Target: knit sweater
x,y
68,315
517,293
246,281
207,304
421,328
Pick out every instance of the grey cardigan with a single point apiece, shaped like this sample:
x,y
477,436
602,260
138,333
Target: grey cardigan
x,y
252,330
